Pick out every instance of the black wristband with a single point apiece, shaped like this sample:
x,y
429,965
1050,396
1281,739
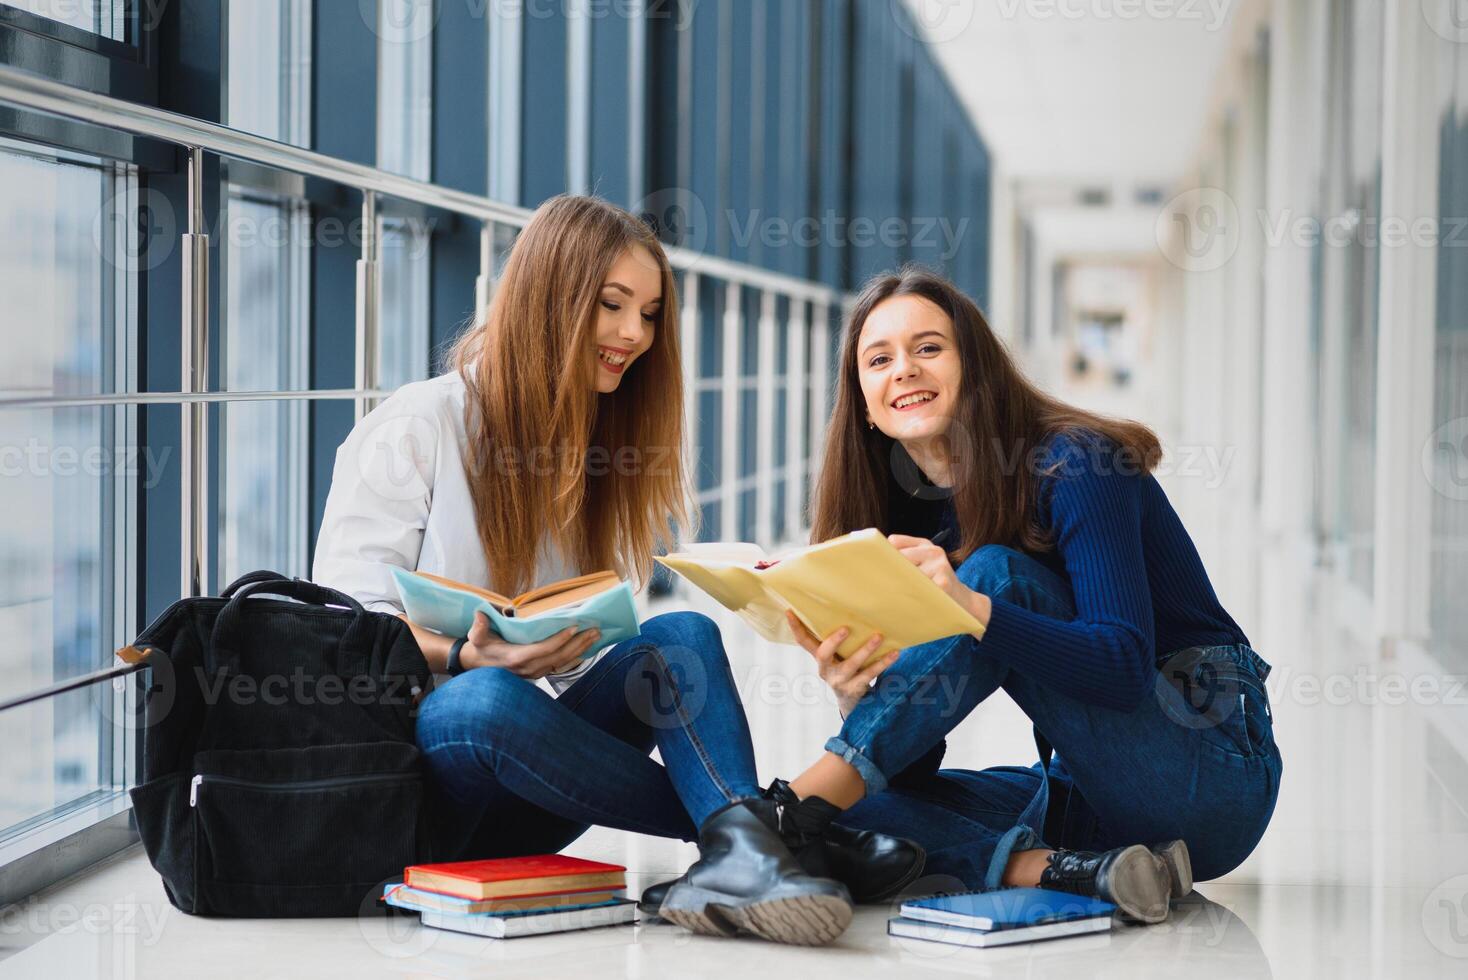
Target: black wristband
x,y
455,666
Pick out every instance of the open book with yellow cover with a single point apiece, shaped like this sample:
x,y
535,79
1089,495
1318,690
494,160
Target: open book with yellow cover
x,y
858,580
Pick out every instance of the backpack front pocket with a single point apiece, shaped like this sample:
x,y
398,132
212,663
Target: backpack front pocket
x,y
303,831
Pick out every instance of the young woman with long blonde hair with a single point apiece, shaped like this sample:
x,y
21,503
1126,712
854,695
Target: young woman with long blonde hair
x,y
553,448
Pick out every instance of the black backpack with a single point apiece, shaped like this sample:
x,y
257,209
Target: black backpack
x,y
280,774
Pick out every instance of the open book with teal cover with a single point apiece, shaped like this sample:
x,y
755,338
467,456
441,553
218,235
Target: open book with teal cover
x,y
601,600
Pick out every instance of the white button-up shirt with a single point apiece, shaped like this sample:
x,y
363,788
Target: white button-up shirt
x,y
399,496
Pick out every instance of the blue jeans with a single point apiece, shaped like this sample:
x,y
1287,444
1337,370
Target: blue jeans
x,y
515,771
1195,760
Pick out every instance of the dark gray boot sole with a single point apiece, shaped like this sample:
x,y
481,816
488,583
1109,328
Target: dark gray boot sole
x,y
1139,885
1179,866
812,919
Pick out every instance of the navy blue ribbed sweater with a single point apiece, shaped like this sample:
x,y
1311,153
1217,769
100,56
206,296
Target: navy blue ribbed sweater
x,y
1140,587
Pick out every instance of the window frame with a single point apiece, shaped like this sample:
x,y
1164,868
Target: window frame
x,y
125,69
69,836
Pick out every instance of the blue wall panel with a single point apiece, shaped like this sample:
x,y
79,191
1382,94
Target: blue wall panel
x,y
743,116
610,176
701,174
543,105
344,115
461,100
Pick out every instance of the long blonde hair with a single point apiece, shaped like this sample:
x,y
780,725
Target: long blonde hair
x,y
615,489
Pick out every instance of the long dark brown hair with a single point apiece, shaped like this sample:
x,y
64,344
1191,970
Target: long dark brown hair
x,y
600,475
1001,420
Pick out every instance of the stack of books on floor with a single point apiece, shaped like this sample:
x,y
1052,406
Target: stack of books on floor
x,y
507,897
999,918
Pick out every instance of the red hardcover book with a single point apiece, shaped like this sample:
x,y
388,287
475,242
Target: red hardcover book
x,y
518,877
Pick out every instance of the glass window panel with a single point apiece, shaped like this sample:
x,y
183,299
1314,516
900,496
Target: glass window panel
x,y
106,18
779,510
263,489
55,265
711,520
748,443
782,334
781,420
749,338
270,69
65,268
710,329
56,519
1349,275
405,87
1449,447
262,482
403,342
748,508
53,757
709,451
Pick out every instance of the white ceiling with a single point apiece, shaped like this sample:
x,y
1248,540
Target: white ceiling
x,y
1082,89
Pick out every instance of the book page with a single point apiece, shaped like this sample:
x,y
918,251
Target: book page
x,y
493,598
723,552
565,594
858,580
861,581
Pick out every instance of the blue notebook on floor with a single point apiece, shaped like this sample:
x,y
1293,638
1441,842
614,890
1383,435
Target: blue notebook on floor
x,y
1006,908
934,932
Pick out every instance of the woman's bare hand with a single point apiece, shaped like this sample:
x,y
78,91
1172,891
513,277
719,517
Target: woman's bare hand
x,y
486,648
933,562
848,678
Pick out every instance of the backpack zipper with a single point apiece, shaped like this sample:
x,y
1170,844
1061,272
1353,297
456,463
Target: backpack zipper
x,y
369,777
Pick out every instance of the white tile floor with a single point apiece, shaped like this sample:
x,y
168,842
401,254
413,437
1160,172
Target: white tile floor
x,y
1364,871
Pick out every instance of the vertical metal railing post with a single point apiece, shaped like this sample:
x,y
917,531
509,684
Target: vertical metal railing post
x,y
367,296
688,347
484,282
764,500
796,383
731,422
820,375
194,377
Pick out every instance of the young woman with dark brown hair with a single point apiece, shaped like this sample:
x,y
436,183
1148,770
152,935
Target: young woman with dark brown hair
x,y
554,448
1047,524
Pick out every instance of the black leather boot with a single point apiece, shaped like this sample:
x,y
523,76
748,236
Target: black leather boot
x,y
651,900
746,880
873,867
1132,878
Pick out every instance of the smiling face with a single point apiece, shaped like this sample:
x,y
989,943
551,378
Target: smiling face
x,y
908,364
627,312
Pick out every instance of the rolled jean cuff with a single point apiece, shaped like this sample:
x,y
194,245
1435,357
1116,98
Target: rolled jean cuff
x,y
1017,838
870,774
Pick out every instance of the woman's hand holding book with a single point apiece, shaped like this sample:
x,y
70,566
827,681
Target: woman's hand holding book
x,y
933,562
532,661
846,677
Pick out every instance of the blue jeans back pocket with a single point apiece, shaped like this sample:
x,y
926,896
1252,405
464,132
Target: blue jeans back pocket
x,y
1218,691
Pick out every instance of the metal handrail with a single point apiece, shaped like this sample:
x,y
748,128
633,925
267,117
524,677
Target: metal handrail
x,y
43,94
189,397
74,683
